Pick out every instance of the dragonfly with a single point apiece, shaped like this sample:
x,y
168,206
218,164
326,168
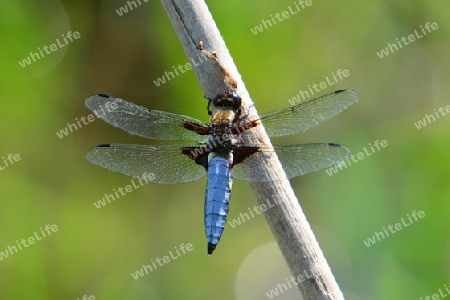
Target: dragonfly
x,y
217,149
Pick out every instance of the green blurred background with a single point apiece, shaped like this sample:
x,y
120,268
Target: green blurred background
x,y
95,250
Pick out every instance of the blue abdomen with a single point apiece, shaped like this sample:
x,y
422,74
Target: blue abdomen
x,y
218,189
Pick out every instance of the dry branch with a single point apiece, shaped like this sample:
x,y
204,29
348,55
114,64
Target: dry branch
x,y
196,31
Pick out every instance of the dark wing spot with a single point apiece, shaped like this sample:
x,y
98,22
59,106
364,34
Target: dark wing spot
x,y
339,91
103,95
104,145
334,145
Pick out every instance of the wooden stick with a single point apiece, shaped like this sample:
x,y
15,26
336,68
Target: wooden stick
x,y
217,73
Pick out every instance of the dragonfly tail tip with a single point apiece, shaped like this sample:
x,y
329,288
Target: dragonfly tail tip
x,y
211,248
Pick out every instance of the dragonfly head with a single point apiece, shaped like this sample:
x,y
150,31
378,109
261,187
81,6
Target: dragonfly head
x,y
230,100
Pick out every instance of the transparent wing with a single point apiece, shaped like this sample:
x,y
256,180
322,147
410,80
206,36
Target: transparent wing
x,y
308,114
138,120
296,160
167,163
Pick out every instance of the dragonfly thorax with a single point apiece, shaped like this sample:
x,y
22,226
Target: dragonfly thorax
x,y
221,137
224,116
